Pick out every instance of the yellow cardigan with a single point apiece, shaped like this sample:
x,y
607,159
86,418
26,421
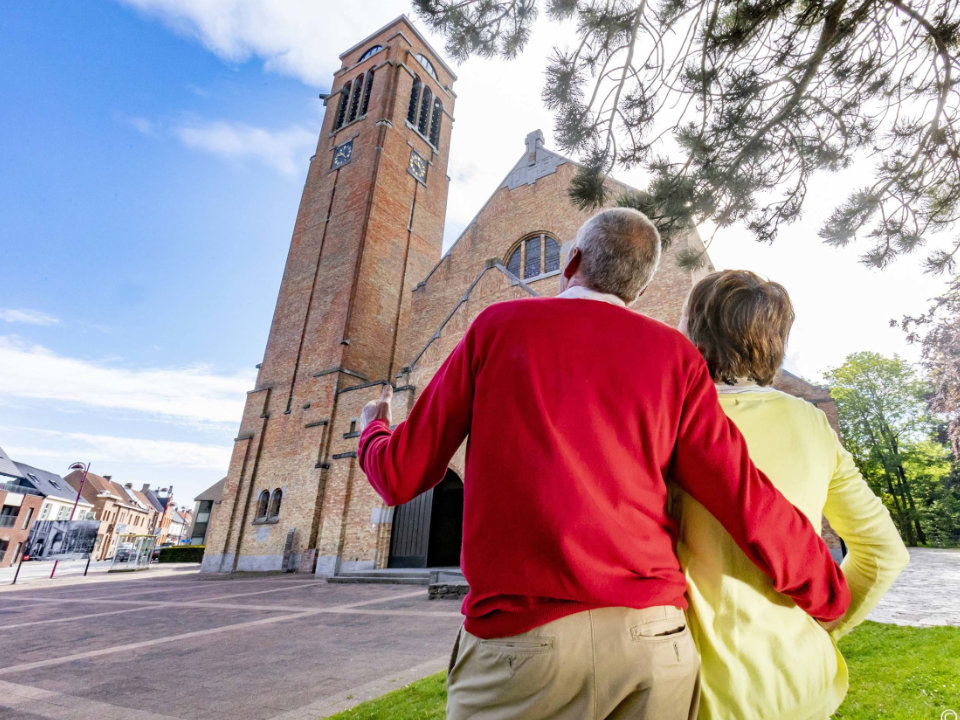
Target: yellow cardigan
x,y
763,657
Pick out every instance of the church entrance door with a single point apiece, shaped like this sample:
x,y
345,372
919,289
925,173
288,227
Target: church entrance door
x,y
428,530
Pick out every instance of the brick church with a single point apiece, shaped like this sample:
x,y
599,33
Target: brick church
x,y
367,298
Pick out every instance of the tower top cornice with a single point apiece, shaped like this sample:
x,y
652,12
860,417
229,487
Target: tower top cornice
x,y
402,22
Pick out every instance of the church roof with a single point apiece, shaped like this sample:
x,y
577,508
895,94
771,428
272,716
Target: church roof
x,y
536,163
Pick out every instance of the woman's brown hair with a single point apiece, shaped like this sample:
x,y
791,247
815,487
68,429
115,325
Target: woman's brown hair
x,y
740,323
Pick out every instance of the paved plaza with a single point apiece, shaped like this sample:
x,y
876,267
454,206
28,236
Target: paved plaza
x,y
170,644
283,647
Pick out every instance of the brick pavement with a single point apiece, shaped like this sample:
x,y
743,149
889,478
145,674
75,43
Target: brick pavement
x,y
926,593
186,648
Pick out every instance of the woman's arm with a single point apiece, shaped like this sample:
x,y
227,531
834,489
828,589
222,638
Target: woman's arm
x,y
876,553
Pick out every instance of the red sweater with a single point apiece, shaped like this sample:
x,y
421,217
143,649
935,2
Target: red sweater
x,y
578,412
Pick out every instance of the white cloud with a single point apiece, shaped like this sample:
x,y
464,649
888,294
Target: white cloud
x,y
111,450
27,317
282,150
301,38
144,126
194,393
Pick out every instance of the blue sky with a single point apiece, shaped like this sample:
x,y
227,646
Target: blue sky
x,y
152,158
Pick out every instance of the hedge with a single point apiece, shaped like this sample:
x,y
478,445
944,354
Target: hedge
x,y
181,554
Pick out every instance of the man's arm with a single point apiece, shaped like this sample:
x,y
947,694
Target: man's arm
x,y
711,463
403,463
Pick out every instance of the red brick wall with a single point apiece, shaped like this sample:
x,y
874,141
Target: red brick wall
x,y
18,534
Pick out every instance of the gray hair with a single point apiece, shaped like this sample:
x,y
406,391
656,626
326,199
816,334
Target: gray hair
x,y
621,251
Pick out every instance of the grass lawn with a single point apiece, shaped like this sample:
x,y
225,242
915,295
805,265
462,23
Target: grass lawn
x,y
895,672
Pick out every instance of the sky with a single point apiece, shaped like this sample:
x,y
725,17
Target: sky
x,y
152,156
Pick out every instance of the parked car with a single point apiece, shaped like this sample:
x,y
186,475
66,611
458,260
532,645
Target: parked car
x,y
155,555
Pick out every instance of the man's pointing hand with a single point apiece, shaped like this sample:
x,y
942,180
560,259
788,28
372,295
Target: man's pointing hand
x,y
378,409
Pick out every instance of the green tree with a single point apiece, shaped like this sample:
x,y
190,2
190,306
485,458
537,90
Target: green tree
x,y
886,425
732,106
932,470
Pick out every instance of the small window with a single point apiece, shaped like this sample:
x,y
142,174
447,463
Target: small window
x,y
414,101
426,106
435,122
428,66
342,108
275,503
262,504
534,256
370,53
367,89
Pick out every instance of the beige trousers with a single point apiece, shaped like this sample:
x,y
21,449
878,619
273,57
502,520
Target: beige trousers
x,y
613,663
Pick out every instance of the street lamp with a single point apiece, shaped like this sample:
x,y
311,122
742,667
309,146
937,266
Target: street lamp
x,y
83,478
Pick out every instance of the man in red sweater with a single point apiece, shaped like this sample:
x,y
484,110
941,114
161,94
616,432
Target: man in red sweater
x,y
578,412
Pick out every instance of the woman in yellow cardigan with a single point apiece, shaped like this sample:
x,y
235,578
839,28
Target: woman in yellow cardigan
x,y
764,658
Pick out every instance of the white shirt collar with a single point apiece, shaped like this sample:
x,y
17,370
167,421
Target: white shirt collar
x,y
579,292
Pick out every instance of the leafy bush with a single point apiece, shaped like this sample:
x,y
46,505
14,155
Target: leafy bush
x,y
181,554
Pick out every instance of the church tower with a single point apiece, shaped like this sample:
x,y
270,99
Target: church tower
x,y
369,227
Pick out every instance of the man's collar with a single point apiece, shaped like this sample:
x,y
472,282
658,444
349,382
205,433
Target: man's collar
x,y
579,292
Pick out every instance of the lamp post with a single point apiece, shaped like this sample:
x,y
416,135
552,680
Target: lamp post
x,y
83,478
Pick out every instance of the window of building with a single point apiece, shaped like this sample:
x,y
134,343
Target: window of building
x,y
425,107
26,520
275,503
8,516
435,122
367,89
262,504
428,66
3,548
342,107
534,256
425,112
414,101
355,98
45,511
16,552
370,53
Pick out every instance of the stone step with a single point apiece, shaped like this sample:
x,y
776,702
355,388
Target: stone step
x,y
414,572
421,580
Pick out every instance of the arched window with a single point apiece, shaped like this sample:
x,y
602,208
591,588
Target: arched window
x,y
534,256
355,100
414,101
342,108
428,66
370,53
426,106
367,89
262,504
435,122
275,503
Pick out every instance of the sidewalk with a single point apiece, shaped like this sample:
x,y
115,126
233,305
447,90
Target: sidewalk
x,y
36,575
